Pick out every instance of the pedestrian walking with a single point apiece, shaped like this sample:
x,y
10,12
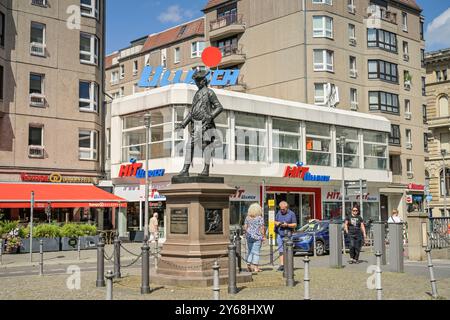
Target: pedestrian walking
x,y
394,218
255,235
285,220
153,227
356,231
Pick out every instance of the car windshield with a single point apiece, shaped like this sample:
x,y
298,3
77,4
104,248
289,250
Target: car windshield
x,y
312,227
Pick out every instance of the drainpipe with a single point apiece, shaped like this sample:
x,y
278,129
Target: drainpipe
x,y
104,105
305,34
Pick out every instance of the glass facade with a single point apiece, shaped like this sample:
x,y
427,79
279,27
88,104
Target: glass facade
x,y
258,138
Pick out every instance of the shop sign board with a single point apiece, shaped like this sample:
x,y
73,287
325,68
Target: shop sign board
x,y
409,199
134,170
301,172
246,193
416,187
272,222
55,178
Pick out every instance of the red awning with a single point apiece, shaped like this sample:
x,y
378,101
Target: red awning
x,y
18,195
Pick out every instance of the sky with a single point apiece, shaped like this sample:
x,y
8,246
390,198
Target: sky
x,y
139,18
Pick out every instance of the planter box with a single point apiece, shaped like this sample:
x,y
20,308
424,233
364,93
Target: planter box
x,y
87,243
50,245
136,236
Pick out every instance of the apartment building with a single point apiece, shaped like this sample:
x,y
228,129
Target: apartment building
x,y
438,120
51,90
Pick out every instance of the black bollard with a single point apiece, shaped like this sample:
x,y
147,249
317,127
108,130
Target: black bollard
x,y
41,260
271,249
289,263
239,250
145,285
232,289
100,263
285,239
117,274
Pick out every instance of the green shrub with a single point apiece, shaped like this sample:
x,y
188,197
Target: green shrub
x,y
88,230
7,226
71,230
46,231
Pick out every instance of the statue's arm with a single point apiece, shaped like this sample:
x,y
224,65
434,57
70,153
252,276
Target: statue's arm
x,y
187,120
215,103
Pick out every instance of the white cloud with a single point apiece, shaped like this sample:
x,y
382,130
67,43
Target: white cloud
x,y
438,31
172,14
189,14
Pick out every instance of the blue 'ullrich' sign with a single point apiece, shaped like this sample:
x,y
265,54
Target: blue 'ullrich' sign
x,y
157,77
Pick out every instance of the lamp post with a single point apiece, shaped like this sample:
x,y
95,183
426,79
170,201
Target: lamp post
x,y
444,175
147,118
342,142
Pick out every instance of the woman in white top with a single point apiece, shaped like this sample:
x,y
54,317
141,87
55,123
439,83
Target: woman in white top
x,y
395,218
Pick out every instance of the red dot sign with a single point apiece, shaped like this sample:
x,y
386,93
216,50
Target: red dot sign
x,y
211,57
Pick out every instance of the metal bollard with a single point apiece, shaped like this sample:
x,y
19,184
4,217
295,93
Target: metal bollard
x,y
285,239
117,273
434,291
379,240
1,251
41,260
289,263
232,289
396,260
378,277
79,248
145,266
306,278
271,249
336,244
156,253
100,263
239,250
109,285
216,281
314,244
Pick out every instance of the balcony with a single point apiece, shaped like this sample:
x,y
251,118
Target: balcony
x,y
37,100
37,49
36,152
382,14
232,55
226,26
40,3
438,122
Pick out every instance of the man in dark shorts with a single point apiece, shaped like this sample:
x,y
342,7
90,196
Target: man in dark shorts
x,y
285,220
356,231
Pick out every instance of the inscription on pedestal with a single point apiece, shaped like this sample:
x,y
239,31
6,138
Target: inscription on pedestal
x,y
179,221
213,221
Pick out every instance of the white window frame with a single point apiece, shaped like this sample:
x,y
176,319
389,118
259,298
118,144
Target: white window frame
x,y
43,44
164,57
197,48
93,8
93,97
409,166
122,71
353,67
404,21
351,8
36,126
93,151
320,100
351,31
408,109
324,33
325,65
114,77
122,92
176,55
93,54
328,2
135,67
353,96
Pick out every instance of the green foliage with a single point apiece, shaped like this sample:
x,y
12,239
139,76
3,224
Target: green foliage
x,y
7,226
13,243
78,230
88,230
46,231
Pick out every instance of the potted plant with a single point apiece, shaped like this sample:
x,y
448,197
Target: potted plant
x,y
408,79
72,233
13,241
49,233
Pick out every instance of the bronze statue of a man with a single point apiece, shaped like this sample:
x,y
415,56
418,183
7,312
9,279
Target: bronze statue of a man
x,y
205,108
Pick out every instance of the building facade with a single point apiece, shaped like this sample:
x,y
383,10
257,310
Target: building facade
x,y
51,107
438,120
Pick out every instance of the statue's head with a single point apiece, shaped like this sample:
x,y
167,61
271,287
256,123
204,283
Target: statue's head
x,y
200,78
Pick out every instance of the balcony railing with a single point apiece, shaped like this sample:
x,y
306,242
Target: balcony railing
x,y
226,21
378,12
41,3
37,100
230,50
37,49
36,152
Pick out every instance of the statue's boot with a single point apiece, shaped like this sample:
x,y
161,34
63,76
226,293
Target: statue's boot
x,y
185,171
205,172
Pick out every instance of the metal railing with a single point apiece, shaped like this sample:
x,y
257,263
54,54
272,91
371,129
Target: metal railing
x,y
37,49
378,12
230,50
226,21
37,100
42,3
439,233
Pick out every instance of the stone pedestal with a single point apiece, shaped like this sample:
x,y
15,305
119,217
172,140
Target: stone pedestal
x,y
198,230
417,235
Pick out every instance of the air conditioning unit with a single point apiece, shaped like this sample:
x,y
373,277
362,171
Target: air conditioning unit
x,y
409,145
407,85
406,57
408,115
37,100
352,41
351,8
42,3
37,49
36,152
353,73
410,175
354,106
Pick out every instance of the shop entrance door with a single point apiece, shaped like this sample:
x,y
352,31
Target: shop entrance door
x,y
302,204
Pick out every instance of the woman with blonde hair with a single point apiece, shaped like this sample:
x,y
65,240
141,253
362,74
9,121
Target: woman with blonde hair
x,y
255,234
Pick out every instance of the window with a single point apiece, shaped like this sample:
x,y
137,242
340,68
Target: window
x,y
37,39
250,137
384,101
36,83
135,67
422,57
425,142
438,75
318,144
352,67
443,106
135,88
88,94
108,143
352,34
421,29
286,141
395,164
404,21
90,8
323,60
394,136
322,27
329,2
114,77
351,6
382,39
407,79
164,58
405,51
228,46
89,48
121,92
424,88
197,49
354,98
447,182
176,55
409,166
35,136
408,113
2,29
1,82
122,71
222,125
88,144
319,94
444,139
444,74
375,150
424,113
351,148
408,137
383,70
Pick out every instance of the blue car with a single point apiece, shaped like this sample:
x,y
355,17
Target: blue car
x,y
303,238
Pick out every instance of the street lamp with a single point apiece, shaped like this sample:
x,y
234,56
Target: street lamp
x,y
147,118
444,175
342,142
